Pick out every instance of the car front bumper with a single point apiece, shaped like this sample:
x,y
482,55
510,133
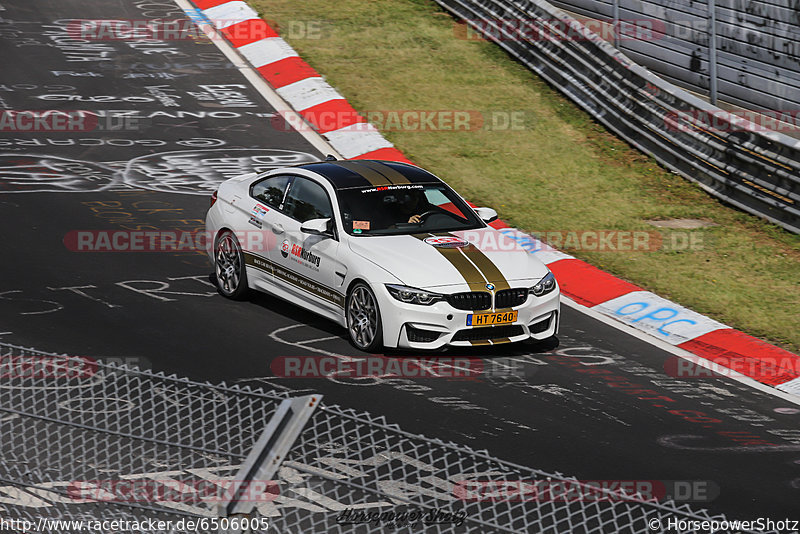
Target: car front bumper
x,y
432,327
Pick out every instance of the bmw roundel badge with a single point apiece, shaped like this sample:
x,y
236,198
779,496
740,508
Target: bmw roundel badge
x,y
490,287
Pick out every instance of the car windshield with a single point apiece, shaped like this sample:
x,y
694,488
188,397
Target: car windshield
x,y
404,209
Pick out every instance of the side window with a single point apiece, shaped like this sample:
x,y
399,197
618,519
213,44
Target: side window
x,y
307,200
271,190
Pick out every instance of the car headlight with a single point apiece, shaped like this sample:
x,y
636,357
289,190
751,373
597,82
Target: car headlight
x,y
544,286
412,295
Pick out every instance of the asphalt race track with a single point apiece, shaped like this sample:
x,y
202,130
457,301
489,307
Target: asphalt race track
x,y
176,118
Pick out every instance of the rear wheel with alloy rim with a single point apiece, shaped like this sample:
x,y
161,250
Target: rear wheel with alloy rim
x,y
364,318
229,269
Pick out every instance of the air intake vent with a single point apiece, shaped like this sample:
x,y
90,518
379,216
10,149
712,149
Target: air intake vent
x,y
418,335
488,333
541,326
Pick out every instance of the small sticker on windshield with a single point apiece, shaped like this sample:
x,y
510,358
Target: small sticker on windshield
x,y
360,225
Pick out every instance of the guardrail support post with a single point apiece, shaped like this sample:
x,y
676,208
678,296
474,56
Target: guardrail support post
x,y
615,14
712,52
265,458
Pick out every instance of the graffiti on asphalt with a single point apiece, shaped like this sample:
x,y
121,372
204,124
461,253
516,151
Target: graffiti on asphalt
x,y
196,171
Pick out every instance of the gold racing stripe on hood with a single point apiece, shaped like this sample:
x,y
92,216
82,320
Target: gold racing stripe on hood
x,y
371,175
395,177
477,262
489,271
471,275
486,266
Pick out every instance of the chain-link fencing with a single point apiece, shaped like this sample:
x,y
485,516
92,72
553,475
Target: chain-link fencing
x,y
88,440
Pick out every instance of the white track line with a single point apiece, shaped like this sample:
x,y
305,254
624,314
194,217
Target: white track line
x,y
260,85
677,351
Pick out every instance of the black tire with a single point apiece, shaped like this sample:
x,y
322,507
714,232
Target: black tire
x,y
364,325
230,274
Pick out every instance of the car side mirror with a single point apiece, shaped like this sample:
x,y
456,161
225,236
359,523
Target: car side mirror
x,y
487,215
316,227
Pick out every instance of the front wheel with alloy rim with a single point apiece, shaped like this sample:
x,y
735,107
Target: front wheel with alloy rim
x,y
364,318
229,269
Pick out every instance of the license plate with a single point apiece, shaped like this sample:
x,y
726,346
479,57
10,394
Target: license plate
x,y
483,319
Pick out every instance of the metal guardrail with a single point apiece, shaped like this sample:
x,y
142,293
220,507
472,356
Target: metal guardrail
x,y
117,423
731,158
744,52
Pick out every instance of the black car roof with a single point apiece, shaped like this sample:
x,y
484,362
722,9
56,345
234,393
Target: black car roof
x,y
344,174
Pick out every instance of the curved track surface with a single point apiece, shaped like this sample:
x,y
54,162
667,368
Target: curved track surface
x,y
599,406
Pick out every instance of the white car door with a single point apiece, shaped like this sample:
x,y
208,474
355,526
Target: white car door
x,y
254,215
307,266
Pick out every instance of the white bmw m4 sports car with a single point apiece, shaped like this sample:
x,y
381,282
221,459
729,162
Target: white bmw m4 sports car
x,y
385,249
